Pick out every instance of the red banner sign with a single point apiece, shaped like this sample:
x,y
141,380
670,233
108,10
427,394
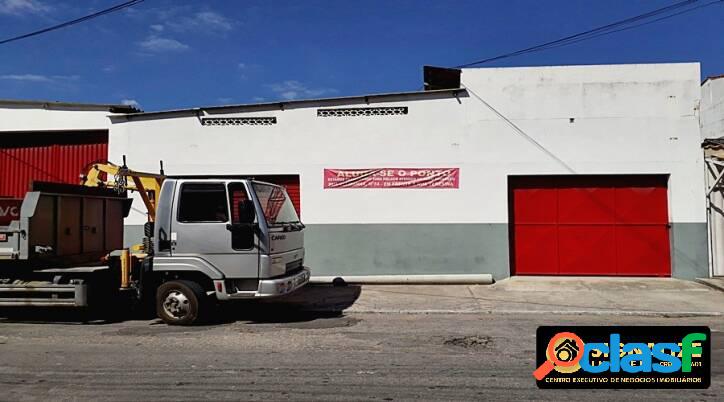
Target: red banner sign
x,y
392,178
9,210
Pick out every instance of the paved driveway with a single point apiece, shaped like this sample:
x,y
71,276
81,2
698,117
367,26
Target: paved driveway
x,y
354,357
392,343
559,295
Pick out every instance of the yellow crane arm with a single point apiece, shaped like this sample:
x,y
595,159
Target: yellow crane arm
x,y
110,175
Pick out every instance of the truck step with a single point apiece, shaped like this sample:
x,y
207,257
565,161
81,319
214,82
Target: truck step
x,y
43,294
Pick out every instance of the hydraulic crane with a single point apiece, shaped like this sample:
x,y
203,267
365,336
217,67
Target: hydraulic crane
x,y
110,175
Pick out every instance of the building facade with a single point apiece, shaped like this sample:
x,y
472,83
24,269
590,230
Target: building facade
x,y
712,107
580,170
48,141
571,170
712,132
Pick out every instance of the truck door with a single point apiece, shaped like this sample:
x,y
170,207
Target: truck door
x,y
201,228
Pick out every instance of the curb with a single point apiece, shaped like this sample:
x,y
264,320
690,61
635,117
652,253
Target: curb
x,y
673,314
714,284
459,279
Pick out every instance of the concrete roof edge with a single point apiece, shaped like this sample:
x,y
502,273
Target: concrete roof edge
x,y
564,66
711,78
281,104
45,104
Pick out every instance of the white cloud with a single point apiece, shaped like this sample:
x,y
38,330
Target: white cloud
x,y
246,69
224,100
183,19
23,7
39,78
131,102
258,99
292,89
213,20
155,43
26,77
109,68
65,77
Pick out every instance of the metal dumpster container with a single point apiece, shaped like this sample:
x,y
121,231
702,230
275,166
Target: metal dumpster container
x,y
62,224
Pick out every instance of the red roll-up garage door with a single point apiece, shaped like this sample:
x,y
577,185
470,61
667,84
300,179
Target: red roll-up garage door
x,y
590,225
291,183
55,157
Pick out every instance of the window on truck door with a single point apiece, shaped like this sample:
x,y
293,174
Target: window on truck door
x,y
240,240
237,193
203,202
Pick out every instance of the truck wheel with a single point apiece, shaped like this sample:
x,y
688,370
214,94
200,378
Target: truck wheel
x,y
180,302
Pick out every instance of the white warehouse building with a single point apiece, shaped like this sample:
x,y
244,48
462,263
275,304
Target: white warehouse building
x,y
571,170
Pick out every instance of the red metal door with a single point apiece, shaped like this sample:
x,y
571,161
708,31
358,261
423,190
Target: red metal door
x,y
290,183
590,225
55,157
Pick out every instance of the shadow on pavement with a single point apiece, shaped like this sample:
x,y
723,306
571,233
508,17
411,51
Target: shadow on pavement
x,y
307,304
61,315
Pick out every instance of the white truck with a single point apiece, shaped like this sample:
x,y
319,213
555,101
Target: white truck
x,y
207,239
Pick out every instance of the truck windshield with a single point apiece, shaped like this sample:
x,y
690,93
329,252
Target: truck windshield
x,y
278,208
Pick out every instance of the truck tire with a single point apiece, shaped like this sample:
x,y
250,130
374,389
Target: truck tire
x,y
180,302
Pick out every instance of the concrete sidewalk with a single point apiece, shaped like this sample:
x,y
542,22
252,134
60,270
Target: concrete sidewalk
x,y
716,282
544,295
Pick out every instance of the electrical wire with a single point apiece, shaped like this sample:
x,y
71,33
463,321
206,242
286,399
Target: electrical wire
x,y
607,29
97,14
521,131
642,24
585,33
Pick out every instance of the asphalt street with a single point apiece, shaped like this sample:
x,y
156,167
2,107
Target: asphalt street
x,y
273,355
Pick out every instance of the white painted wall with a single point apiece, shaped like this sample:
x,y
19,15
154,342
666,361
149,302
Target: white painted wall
x,y
27,118
627,119
712,126
712,108
716,224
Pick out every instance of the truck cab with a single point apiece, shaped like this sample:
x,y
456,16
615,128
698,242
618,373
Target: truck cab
x,y
224,239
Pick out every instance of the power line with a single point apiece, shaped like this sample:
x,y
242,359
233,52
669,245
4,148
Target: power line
x,y
73,22
643,23
583,34
604,30
521,132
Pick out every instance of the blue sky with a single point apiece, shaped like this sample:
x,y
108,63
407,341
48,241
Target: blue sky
x,y
167,54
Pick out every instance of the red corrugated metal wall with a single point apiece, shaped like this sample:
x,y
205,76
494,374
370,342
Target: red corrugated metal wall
x,y
291,183
55,157
590,225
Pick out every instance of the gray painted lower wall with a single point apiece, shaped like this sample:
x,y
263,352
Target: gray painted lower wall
x,y
690,251
382,249
132,234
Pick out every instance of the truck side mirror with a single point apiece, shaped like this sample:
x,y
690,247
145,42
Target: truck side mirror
x,y
247,212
